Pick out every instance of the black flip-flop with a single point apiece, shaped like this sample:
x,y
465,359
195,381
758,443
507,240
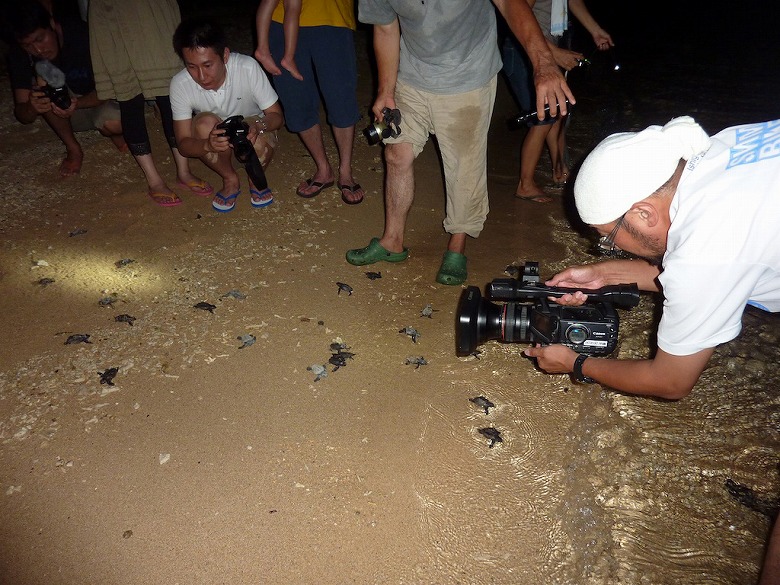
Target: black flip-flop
x,y
313,183
352,189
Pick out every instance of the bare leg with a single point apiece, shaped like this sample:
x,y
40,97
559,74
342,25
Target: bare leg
x,y
345,138
530,153
399,194
222,163
113,130
312,140
74,156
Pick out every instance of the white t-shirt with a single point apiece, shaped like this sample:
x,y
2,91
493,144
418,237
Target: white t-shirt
x,y
246,92
723,250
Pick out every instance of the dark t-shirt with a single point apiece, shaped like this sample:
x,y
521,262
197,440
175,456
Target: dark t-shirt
x,y
74,60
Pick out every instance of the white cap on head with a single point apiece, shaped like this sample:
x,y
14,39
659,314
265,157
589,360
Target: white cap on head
x,y
628,167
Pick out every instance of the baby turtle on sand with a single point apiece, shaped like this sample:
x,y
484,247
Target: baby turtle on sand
x,y
416,360
123,262
373,275
428,311
482,402
44,282
77,232
236,294
78,338
108,376
411,332
512,271
204,306
492,434
125,318
344,287
246,340
107,301
319,371
338,346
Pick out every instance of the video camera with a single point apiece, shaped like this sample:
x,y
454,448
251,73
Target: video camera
x,y
591,328
55,89
236,130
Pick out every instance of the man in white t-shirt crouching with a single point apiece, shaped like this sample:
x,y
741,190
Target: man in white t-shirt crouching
x,y
215,85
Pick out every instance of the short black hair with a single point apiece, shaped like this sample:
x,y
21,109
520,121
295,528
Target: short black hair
x,y
24,18
194,33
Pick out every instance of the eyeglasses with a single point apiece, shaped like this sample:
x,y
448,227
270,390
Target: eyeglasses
x,y
607,243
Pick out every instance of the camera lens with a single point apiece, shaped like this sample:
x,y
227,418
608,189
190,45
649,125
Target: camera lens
x,y
479,320
577,334
375,133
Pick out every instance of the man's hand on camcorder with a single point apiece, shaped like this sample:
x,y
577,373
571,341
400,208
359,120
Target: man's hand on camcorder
x,y
39,101
552,359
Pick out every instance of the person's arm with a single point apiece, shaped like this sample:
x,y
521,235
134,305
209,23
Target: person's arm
x,y
550,84
28,104
665,376
590,276
601,38
193,147
273,119
387,48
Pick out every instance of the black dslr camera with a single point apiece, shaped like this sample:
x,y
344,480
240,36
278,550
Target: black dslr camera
x,y
236,130
388,126
591,328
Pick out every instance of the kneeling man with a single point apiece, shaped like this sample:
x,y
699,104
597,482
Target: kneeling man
x,y
215,85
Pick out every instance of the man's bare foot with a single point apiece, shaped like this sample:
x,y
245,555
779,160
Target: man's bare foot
x,y
71,164
312,187
289,65
268,63
532,193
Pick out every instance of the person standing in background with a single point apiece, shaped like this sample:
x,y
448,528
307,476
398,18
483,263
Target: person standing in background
x,y
325,56
133,60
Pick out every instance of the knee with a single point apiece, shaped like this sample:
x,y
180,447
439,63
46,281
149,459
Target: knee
x,y
399,156
204,124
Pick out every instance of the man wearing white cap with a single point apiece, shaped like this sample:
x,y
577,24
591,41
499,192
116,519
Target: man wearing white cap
x,y
705,214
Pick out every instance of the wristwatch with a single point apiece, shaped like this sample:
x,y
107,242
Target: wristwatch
x,y
577,372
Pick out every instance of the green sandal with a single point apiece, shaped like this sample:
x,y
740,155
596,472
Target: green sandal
x,y
374,252
453,269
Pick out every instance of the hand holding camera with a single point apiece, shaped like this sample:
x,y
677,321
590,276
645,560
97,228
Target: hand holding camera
x,y
388,126
236,130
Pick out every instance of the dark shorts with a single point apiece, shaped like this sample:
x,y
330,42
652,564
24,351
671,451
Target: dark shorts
x,y
325,56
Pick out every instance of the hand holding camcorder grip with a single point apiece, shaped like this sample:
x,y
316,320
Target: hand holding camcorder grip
x,y
512,289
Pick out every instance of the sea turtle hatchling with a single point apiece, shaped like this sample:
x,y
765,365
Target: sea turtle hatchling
x,y
482,402
236,294
44,282
204,306
416,361
78,338
125,318
319,371
493,435
343,286
107,301
373,275
411,332
121,263
108,376
77,232
246,340
428,311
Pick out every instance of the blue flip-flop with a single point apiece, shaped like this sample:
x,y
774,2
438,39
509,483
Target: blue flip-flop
x,y
230,201
262,198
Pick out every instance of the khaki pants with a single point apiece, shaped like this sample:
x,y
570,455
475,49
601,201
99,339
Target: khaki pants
x,y
460,123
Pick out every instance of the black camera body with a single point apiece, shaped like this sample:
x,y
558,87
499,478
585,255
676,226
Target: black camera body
x,y
388,126
237,130
529,317
54,86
